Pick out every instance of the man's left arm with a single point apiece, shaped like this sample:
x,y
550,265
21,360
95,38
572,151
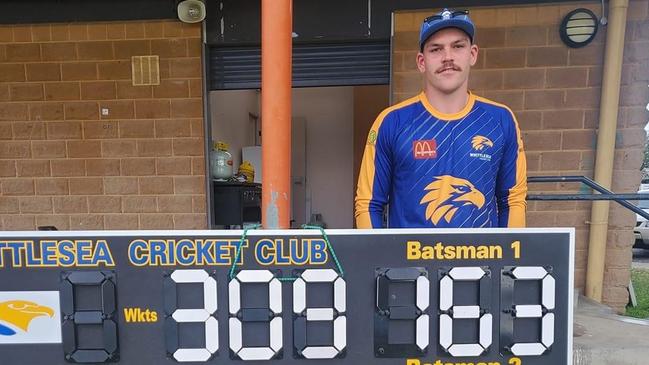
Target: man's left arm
x,y
511,183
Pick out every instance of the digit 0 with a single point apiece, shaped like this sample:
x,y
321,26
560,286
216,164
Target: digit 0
x,y
239,315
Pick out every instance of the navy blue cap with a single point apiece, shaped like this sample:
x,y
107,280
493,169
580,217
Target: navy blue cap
x,y
446,19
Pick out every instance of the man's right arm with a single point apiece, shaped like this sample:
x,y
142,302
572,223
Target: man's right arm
x,y
375,176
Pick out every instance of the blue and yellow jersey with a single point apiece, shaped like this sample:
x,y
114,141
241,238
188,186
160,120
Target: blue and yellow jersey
x,y
443,170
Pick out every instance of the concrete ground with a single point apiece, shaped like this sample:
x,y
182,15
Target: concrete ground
x,y
601,337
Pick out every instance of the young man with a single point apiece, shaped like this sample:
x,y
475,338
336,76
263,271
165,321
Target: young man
x,y
446,157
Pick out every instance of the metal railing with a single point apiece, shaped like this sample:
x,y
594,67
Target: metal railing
x,y
604,194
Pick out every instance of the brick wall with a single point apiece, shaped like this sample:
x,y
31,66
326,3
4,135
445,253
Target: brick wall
x,y
63,163
554,92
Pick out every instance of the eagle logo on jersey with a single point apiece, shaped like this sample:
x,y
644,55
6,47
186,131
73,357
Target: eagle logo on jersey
x,y
20,313
479,143
448,194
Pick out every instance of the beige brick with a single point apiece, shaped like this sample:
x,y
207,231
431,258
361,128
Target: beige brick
x,y
547,56
86,222
169,48
583,98
189,185
171,89
405,41
198,165
567,77
138,167
4,92
84,148
151,109
70,204
593,54
24,52
154,29
631,139
545,99
60,32
125,90
156,185
60,222
22,33
78,32
540,219
104,204
86,186
17,187
199,204
154,147
156,221
120,185
563,119
184,68
198,127
632,95
6,34
26,92
12,72
626,159
557,161
118,109
43,72
121,221
172,128
52,186
63,130
114,70
524,79
46,111
48,149
9,205
134,29
513,99
505,58
21,222
6,132
636,52
191,30
186,108
118,148
579,140
79,71
103,167
174,166
139,204
175,204
527,36
533,161
486,79
187,147
95,50
529,120
195,88
100,130
407,81
7,168
74,167
116,31
172,29
97,32
81,111
62,91
35,204
127,49
33,167
136,129
542,141
14,149
29,130
59,51
190,221
98,90
194,47
13,111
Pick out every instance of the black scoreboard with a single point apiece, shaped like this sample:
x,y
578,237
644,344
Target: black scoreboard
x,y
288,297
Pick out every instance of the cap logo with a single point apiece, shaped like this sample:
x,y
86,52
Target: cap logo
x,y
446,14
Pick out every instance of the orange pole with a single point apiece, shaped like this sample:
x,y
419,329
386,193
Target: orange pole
x,y
276,52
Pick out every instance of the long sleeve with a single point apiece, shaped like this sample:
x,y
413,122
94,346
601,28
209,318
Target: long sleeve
x,y
374,178
511,184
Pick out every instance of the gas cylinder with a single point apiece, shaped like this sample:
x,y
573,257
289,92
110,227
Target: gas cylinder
x,y
221,161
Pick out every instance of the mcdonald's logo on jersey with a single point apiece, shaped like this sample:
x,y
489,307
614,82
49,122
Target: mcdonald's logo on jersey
x,y
424,149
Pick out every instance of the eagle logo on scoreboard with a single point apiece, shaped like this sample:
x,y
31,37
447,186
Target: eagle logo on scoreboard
x,y
30,317
447,194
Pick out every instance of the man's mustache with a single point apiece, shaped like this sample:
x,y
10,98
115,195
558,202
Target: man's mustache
x,y
449,66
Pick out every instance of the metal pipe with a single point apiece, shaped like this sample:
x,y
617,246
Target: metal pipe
x,y
606,145
276,43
